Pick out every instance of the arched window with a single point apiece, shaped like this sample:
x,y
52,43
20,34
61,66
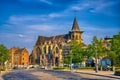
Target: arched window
x,y
57,50
77,37
45,49
38,52
73,37
49,49
80,37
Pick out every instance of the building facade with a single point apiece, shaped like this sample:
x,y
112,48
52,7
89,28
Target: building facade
x,y
19,57
50,51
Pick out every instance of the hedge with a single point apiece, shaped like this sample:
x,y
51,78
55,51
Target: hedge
x,y
117,72
61,68
86,68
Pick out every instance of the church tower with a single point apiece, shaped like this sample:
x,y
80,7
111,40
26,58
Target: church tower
x,y
75,33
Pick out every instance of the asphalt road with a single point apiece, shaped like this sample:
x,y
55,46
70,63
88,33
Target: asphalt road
x,y
40,74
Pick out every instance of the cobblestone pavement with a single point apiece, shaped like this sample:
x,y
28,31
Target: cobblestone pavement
x,y
40,74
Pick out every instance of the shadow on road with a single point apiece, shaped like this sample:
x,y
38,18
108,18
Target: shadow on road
x,y
19,75
111,76
62,75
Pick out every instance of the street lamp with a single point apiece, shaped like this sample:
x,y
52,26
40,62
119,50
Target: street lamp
x,y
96,61
71,62
70,59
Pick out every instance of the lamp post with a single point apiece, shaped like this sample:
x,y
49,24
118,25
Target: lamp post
x,y
96,60
71,62
70,59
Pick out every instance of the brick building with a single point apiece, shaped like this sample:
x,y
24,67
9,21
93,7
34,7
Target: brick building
x,y
19,57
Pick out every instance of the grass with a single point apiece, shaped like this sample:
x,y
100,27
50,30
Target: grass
x,y
61,68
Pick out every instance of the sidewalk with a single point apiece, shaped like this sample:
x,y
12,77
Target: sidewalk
x,y
1,77
109,74
1,74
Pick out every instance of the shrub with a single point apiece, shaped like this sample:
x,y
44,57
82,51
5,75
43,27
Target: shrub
x,y
61,68
86,68
3,69
116,68
117,72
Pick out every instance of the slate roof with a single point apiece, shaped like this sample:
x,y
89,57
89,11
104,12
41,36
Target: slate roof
x,y
58,38
19,50
75,26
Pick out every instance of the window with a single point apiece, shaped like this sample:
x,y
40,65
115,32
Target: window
x,y
45,49
57,51
42,56
49,49
22,63
77,37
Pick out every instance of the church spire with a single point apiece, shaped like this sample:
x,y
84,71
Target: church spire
x,y
75,26
75,33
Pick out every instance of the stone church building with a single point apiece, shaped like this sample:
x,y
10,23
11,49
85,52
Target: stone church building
x,y
50,51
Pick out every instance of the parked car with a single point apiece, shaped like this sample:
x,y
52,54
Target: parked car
x,y
106,68
15,67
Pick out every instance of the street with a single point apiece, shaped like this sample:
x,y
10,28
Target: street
x,y
41,74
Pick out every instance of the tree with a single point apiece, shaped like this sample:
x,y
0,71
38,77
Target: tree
x,y
76,52
4,54
115,48
98,45
89,51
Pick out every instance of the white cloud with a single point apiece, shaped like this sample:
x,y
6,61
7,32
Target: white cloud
x,y
91,27
46,1
43,1
20,35
94,6
42,27
102,6
80,6
52,15
19,38
27,19
22,19
13,40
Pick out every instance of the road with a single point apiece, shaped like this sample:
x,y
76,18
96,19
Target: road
x,y
41,74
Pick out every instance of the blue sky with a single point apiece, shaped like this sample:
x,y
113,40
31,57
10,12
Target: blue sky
x,y
21,21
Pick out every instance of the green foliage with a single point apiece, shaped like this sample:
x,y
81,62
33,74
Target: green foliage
x,y
61,68
98,46
112,56
89,51
114,52
76,52
86,68
2,69
117,72
116,68
67,60
95,47
4,55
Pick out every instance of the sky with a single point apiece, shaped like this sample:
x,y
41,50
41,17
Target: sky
x,y
22,21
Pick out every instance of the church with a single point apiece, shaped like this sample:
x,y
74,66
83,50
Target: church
x,y
50,51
